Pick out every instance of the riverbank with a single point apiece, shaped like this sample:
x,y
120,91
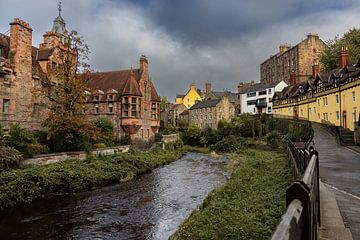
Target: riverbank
x,y
27,184
248,206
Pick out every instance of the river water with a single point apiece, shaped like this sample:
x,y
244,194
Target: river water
x,y
150,207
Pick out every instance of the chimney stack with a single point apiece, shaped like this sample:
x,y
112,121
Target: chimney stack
x,y
315,69
343,57
207,88
144,65
292,78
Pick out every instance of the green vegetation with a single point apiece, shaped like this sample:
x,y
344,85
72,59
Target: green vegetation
x,y
330,57
230,143
25,185
249,206
9,158
188,148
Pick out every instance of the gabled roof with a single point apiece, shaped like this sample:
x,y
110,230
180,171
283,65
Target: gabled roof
x,y
219,94
260,86
131,86
205,104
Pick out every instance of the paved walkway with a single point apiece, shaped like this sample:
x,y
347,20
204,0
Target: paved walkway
x,y
340,171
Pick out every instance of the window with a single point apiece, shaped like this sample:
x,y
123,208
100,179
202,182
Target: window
x,y
133,107
262,92
96,98
337,99
301,112
96,108
110,107
319,102
126,106
252,94
269,90
111,97
354,116
326,102
353,96
7,79
6,103
326,114
2,51
337,115
36,83
153,111
269,109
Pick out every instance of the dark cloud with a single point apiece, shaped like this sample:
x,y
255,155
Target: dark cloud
x,y
218,41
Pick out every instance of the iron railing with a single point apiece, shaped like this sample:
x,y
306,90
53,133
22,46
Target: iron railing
x,y
302,218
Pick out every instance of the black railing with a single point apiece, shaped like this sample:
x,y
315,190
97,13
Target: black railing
x,y
302,217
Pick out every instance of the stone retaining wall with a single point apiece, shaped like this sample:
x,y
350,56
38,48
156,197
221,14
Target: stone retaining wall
x,y
170,138
45,159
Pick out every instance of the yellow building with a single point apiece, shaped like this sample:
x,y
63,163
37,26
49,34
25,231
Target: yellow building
x,y
332,98
190,98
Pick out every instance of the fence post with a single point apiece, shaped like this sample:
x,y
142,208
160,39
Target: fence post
x,y
314,152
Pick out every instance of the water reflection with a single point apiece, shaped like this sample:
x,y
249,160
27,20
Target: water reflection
x,y
151,207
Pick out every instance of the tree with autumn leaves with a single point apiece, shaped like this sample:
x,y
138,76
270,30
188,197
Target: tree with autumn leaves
x,y
65,88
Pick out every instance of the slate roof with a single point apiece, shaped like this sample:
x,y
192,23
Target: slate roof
x,y
259,86
126,82
205,104
231,96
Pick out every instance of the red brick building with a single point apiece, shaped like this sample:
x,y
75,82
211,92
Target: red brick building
x,y
127,97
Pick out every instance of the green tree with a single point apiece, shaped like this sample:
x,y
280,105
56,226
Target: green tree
x,y
163,103
66,123
330,57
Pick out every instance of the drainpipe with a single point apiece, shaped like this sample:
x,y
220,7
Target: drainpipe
x,y
340,113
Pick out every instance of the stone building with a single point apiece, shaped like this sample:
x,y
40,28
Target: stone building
x,y
330,97
22,71
297,60
208,113
127,97
174,113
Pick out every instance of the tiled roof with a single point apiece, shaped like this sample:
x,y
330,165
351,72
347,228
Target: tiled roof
x,y
260,86
230,95
44,54
205,104
131,86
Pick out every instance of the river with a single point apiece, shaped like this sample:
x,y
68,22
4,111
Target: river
x,y
150,207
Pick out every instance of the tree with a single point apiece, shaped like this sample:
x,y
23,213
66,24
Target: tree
x,y
330,57
65,88
163,103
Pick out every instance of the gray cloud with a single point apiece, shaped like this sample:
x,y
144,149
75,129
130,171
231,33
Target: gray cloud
x,y
223,42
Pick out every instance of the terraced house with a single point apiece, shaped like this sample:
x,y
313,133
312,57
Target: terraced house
x,y
332,97
208,113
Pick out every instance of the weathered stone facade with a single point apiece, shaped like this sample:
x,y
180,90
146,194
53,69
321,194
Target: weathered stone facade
x,y
297,60
208,113
128,98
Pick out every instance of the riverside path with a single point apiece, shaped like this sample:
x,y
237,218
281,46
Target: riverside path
x,y
340,171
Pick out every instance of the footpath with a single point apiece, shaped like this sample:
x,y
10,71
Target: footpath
x,y
340,187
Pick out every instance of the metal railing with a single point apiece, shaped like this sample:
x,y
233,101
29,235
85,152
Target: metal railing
x,y
302,217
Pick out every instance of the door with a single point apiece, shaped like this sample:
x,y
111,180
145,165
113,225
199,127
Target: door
x,y
344,119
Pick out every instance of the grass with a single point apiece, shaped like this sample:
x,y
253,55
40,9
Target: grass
x,y
248,206
27,184
196,149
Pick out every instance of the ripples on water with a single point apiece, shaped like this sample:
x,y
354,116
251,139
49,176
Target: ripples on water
x,y
150,207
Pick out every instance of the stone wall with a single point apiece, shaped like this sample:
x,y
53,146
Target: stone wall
x,y
45,159
170,138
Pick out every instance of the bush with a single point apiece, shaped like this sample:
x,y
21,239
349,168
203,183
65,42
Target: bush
x,y
24,141
177,145
125,140
9,157
273,139
229,144
192,136
169,129
106,127
99,145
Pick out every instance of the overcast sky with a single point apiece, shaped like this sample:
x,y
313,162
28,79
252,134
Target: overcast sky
x,y
217,41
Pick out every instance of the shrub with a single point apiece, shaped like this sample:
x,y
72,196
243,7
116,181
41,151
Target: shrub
x,y
177,145
24,141
229,144
273,139
9,157
169,129
106,127
158,137
192,136
125,140
99,145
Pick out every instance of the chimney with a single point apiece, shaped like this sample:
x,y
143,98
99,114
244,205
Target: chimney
x,y
21,46
207,88
252,83
240,87
284,47
292,78
144,65
315,69
343,57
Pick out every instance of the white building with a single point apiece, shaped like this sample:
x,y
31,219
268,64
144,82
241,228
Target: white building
x,y
257,98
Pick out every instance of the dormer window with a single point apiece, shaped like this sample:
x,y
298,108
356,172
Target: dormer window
x,y
96,98
2,51
111,98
